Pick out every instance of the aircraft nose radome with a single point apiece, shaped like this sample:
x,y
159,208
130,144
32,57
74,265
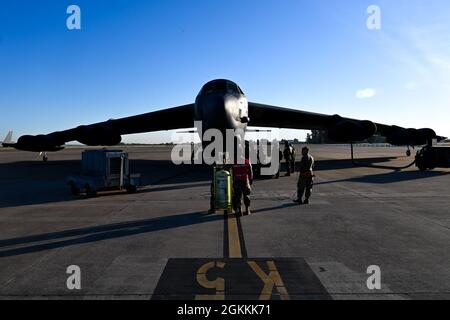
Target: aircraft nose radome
x,y
231,109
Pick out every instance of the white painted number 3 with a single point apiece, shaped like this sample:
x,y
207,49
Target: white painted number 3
x,y
73,22
74,280
374,281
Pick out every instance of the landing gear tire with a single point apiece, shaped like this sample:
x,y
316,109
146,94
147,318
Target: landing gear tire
x,y
422,168
45,158
421,164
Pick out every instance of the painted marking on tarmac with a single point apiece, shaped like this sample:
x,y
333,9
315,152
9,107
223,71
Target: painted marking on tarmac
x,y
234,241
235,279
218,284
238,277
271,280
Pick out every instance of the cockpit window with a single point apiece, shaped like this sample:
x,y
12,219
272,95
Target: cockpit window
x,y
232,87
221,86
218,85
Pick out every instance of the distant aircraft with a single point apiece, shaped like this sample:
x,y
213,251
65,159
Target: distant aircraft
x,y
8,140
222,105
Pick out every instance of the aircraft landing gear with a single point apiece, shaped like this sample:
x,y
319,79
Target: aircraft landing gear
x,y
44,156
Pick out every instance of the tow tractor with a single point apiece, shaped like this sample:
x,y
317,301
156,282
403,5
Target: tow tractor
x,y
103,170
433,156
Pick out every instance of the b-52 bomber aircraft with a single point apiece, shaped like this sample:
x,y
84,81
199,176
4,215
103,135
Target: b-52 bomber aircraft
x,y
222,105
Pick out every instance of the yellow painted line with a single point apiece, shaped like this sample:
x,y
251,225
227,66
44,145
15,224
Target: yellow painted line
x,y
234,244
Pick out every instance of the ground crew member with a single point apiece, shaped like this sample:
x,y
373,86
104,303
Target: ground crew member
x,y
293,156
306,178
289,156
280,159
242,181
193,153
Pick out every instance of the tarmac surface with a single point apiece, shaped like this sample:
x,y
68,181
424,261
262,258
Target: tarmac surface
x,y
160,243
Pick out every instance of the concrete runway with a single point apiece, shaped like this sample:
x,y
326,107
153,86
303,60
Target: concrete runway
x,y
160,244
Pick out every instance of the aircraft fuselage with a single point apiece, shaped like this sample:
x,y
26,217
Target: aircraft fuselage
x,y
221,105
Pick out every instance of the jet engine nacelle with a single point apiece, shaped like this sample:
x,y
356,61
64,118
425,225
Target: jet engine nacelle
x,y
352,130
411,137
40,143
97,136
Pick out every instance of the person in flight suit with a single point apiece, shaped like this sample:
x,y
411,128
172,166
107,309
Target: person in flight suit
x,y
242,181
289,156
306,178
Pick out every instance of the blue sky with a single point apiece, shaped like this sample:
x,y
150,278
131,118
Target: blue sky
x,y
133,56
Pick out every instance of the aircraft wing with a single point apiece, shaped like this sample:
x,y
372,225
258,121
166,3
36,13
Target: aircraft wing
x,y
339,129
110,132
262,115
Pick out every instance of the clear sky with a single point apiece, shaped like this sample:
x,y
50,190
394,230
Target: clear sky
x,y
132,57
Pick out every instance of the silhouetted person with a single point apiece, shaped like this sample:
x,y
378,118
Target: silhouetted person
x,y
280,159
192,153
306,178
289,156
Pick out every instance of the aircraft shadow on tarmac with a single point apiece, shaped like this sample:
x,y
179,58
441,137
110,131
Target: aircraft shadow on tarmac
x,y
73,237
34,182
282,206
336,164
389,177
